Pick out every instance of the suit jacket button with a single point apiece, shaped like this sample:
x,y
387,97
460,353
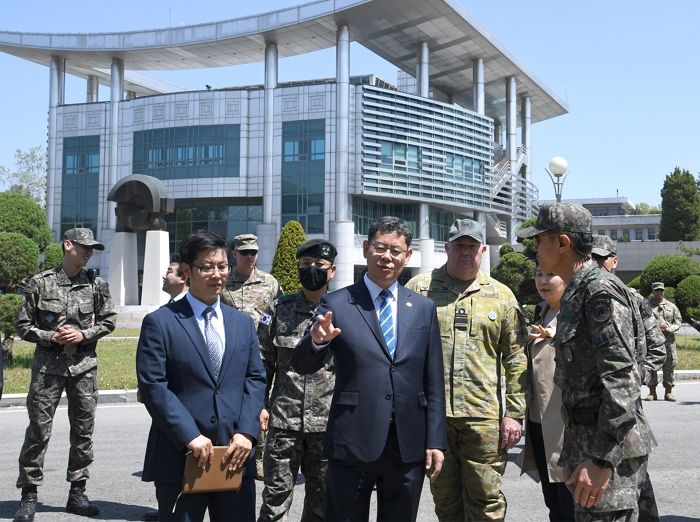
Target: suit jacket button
x,y
213,419
388,396
217,391
393,368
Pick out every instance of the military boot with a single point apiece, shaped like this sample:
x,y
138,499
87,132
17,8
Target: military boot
x,y
668,396
78,502
652,395
27,506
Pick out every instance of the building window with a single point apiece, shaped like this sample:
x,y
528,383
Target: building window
x,y
80,182
365,211
626,233
601,232
304,174
226,217
651,234
204,151
613,234
638,234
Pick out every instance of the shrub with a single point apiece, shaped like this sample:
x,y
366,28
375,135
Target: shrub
x,y
671,269
634,283
53,256
688,293
9,305
505,248
19,260
20,214
284,264
517,272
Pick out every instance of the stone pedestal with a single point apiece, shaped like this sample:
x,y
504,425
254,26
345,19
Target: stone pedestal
x,y
156,259
267,242
123,276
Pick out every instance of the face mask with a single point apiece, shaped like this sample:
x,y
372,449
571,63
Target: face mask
x,y
313,278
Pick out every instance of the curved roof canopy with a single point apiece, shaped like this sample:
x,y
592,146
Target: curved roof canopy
x,y
391,29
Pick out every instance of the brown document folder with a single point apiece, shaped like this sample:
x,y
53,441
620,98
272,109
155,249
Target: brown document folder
x,y
214,478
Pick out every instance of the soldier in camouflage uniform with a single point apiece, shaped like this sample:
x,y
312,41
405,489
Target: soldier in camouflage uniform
x,y
669,318
604,252
251,291
483,340
607,438
65,310
299,404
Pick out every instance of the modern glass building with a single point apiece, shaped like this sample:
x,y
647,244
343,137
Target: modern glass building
x,y
450,138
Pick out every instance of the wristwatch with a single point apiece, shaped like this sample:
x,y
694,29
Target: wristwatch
x,y
602,463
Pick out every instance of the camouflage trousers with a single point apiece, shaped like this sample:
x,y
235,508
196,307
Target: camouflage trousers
x,y
648,512
469,485
43,398
285,452
667,368
620,503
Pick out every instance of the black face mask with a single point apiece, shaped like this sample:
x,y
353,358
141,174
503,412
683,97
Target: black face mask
x,y
313,278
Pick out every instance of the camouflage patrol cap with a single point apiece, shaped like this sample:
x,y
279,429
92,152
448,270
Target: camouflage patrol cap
x,y
245,242
603,246
469,228
82,236
657,286
319,248
566,217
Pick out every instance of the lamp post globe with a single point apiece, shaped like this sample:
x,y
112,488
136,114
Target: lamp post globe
x,y
558,169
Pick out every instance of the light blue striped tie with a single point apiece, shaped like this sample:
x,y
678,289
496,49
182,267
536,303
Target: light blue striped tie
x,y
386,321
213,342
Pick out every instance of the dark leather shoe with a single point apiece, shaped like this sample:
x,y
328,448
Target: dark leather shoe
x,y
151,516
79,503
27,507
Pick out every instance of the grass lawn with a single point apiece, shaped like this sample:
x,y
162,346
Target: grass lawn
x,y
117,366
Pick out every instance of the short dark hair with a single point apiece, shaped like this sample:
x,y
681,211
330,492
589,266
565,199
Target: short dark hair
x,y
175,259
388,225
581,243
197,242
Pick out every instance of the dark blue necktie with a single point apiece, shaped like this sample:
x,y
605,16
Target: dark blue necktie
x,y
386,321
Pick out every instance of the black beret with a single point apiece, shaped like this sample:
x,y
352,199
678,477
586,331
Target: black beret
x,y
317,248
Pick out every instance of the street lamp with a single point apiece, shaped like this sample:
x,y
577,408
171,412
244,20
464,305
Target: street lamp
x,y
558,170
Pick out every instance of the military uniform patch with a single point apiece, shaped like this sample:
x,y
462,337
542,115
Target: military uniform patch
x,y
265,319
601,310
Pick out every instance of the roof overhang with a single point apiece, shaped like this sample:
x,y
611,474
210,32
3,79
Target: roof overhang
x,y
391,29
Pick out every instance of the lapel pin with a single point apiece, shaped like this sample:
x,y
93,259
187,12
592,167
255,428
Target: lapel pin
x,y
409,304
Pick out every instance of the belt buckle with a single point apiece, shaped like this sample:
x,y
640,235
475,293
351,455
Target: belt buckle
x,y
69,349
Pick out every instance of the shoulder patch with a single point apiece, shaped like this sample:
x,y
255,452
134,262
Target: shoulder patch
x,y
285,298
600,310
265,319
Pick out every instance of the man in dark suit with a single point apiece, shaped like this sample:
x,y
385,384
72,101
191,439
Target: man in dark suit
x,y
387,418
202,381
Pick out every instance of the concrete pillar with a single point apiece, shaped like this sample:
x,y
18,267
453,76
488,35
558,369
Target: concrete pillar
x,y
423,71
498,132
93,89
268,146
342,229
115,96
427,245
123,273
526,119
478,93
511,119
157,256
56,82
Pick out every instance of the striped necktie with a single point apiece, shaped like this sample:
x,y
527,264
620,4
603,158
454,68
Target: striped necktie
x,y
386,321
214,348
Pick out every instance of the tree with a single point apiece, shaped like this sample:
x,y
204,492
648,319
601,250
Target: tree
x,y
517,272
529,243
19,260
53,256
20,214
670,269
645,208
688,294
29,176
680,207
9,306
284,264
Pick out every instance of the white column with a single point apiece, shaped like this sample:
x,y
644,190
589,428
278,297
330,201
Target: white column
x,y
158,258
478,75
115,97
511,146
123,273
56,75
423,71
268,147
93,87
342,229
427,245
526,119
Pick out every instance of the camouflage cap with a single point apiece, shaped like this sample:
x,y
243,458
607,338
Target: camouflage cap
x,y
469,228
82,236
245,242
566,217
657,286
319,248
603,246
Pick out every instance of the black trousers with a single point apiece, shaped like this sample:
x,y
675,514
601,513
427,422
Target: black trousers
x,y
556,495
236,506
349,487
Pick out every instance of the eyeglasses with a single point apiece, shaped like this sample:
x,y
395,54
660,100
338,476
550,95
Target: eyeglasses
x,y
381,249
209,269
247,253
538,239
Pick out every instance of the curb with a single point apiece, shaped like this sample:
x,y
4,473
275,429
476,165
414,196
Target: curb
x,y
10,400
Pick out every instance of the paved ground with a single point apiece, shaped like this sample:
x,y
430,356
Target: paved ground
x,y
121,434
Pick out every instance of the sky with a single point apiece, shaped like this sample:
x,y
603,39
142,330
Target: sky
x,y
629,71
